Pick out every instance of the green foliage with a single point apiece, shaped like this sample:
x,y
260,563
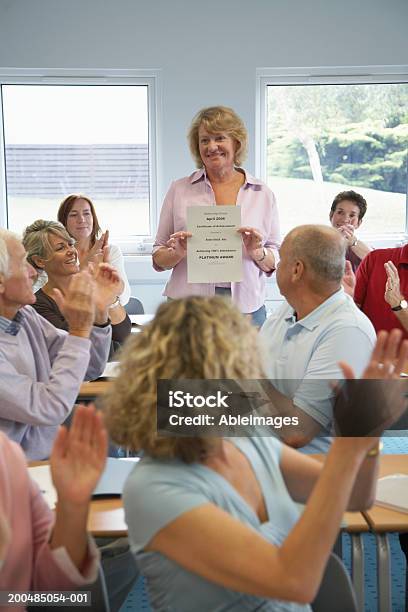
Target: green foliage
x,y
358,154
360,133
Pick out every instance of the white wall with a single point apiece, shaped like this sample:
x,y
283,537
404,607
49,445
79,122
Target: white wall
x,y
207,52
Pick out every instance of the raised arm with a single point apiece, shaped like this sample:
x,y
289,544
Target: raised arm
x,y
64,554
301,472
294,570
393,295
385,366
359,248
249,563
63,361
117,261
77,462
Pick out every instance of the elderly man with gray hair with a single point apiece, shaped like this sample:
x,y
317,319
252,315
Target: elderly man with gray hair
x,y
317,327
41,367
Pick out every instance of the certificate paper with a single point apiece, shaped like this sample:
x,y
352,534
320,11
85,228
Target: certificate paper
x,y
214,252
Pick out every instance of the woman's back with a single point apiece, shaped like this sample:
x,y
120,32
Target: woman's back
x,y
173,487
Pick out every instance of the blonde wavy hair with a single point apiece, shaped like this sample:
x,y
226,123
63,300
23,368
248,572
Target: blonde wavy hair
x,y
217,119
36,239
197,338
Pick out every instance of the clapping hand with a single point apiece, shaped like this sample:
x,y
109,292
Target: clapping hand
x,y
349,279
108,285
368,406
392,287
178,243
347,232
78,304
252,240
99,253
78,456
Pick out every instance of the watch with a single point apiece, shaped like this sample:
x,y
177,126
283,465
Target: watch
x,y
115,303
265,252
403,305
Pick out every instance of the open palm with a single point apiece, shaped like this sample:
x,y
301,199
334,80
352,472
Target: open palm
x,y
368,406
78,456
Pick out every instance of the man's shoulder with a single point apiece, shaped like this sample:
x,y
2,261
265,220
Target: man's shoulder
x,y
348,317
30,316
276,319
380,256
37,325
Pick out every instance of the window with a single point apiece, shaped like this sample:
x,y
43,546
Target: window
x,y
93,138
326,135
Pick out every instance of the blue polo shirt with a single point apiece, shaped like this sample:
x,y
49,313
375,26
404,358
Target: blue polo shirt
x,y
301,357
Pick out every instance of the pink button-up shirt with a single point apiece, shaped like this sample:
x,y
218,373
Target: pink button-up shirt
x,y
30,564
258,210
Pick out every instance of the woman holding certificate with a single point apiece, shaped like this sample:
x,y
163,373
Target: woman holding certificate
x,y
218,141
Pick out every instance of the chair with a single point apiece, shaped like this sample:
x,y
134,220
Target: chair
x,y
134,306
336,591
99,593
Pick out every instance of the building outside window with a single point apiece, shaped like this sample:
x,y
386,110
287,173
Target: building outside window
x,y
95,139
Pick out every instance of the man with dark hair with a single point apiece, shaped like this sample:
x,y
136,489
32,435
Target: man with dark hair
x,y
346,214
317,327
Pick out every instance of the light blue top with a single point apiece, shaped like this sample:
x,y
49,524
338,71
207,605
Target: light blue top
x,y
158,491
299,355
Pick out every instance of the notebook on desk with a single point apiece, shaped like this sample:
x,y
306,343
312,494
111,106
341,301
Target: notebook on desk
x,y
111,370
110,484
392,492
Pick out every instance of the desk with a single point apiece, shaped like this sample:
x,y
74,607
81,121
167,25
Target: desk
x,y
106,515
107,518
383,520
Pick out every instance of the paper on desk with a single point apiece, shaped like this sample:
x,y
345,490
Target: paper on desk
x,y
41,474
111,370
111,482
392,492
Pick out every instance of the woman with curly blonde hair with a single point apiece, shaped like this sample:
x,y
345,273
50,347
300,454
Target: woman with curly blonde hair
x,y
218,144
193,338
213,521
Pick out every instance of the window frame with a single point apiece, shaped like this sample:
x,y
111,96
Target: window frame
x,y
135,245
339,75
